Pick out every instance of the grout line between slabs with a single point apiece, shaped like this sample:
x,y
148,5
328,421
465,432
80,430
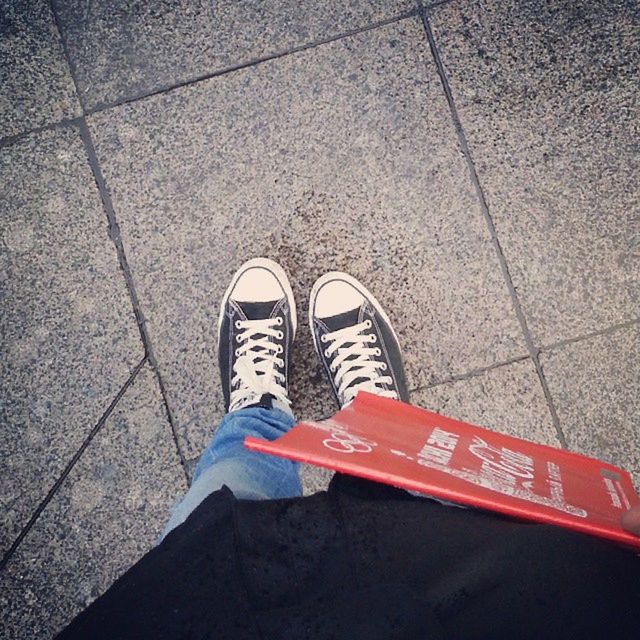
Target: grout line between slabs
x,y
67,56
114,234
593,334
462,139
220,72
67,470
52,126
251,63
473,373
9,140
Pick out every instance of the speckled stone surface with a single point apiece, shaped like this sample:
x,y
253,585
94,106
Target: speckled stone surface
x,y
508,399
547,93
69,337
123,49
314,479
106,515
313,399
339,157
35,84
595,385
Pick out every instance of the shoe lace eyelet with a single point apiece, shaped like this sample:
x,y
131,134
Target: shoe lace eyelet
x,y
332,368
378,353
237,324
367,324
280,349
279,321
372,338
323,338
237,353
279,335
384,366
326,353
238,340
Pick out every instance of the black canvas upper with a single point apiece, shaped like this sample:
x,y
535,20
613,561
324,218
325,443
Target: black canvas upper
x,y
386,342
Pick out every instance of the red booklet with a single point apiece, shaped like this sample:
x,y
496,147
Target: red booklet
x,y
398,444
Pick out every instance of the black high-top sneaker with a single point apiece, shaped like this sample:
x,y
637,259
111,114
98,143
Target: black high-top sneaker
x,y
256,329
354,339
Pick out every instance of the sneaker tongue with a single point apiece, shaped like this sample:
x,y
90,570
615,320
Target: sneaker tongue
x,y
342,320
257,310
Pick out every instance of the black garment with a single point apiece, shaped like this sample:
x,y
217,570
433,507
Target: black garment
x,y
367,561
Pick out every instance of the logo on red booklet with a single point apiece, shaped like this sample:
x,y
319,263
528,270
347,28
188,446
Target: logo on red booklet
x,y
343,442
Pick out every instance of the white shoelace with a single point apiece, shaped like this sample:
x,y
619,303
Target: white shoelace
x,y
349,369
256,361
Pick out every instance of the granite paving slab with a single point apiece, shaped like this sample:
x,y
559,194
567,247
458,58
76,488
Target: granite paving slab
x,y
339,157
547,94
123,49
69,337
508,399
108,512
35,83
595,385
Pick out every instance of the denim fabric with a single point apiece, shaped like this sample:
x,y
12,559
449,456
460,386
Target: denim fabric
x,y
249,475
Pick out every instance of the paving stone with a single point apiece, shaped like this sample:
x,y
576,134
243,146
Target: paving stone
x,y
69,336
547,95
314,479
595,385
508,399
339,157
35,84
108,512
313,400
123,49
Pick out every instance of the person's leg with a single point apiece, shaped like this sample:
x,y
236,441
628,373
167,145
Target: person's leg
x,y
250,475
256,329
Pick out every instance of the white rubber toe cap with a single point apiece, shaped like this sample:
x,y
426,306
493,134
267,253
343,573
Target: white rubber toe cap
x,y
260,280
257,284
336,296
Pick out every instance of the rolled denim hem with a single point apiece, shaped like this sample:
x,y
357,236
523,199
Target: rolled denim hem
x,y
250,475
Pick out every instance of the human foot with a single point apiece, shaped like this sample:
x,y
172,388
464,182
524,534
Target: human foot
x,y
256,329
354,340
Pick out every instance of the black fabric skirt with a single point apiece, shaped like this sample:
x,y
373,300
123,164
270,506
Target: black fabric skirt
x,y
366,561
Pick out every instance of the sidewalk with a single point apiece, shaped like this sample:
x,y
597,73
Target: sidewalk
x,y
474,162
